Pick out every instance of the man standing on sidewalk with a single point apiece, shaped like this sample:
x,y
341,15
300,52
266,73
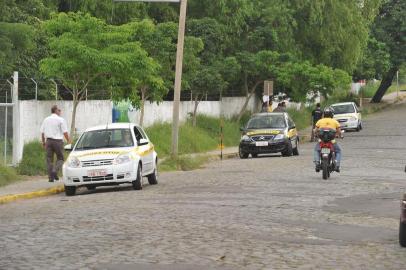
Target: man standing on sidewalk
x,y
316,116
53,129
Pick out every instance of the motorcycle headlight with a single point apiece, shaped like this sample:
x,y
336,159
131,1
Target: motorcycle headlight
x,y
73,162
245,138
124,158
279,137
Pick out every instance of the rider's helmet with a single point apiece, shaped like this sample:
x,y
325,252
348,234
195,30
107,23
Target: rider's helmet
x,y
328,112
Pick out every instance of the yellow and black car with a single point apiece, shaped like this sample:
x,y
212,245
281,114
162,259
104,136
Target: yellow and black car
x,y
268,133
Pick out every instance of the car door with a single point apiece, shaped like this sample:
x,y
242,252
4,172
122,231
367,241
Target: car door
x,y
145,150
292,132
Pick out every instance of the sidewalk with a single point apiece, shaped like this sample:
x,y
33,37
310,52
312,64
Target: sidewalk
x,y
39,186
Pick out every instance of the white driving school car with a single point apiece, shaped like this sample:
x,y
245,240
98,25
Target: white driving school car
x,y
348,115
110,155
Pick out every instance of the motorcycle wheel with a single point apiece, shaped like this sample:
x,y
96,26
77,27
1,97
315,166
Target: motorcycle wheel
x,y
324,167
402,234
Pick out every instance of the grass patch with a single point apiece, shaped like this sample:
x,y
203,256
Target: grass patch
x,y
7,175
183,163
302,118
34,160
202,138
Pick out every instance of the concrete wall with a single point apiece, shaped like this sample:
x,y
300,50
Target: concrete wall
x,y
229,107
32,113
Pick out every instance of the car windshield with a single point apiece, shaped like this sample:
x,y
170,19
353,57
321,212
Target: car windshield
x,y
266,121
106,138
345,108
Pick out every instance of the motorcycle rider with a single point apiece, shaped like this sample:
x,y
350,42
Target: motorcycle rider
x,y
328,122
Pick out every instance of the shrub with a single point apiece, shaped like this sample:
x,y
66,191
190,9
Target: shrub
x,y
7,175
34,160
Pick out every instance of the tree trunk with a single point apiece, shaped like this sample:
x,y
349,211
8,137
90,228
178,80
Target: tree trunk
x,y
197,101
75,106
143,97
247,99
385,84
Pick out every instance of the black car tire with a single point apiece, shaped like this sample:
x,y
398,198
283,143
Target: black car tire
x,y
137,185
153,177
295,150
402,234
288,151
242,154
70,191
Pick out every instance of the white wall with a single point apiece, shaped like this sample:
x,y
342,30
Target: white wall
x,y
229,107
32,113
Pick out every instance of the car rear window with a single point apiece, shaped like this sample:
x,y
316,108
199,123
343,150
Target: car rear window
x,y
340,109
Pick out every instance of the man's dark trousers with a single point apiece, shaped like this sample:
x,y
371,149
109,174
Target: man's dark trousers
x,y
54,146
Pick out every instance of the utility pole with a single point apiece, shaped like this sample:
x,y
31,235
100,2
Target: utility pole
x,y
179,68
397,84
178,78
16,121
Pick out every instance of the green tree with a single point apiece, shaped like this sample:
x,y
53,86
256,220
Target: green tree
x,y
16,40
390,28
84,49
374,62
330,32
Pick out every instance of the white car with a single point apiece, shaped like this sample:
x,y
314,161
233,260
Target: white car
x,y
348,115
110,155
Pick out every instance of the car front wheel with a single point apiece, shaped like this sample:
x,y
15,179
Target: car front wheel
x,y
402,234
137,185
153,177
70,191
242,154
288,151
295,150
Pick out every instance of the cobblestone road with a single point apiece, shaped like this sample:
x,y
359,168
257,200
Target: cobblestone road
x,y
264,213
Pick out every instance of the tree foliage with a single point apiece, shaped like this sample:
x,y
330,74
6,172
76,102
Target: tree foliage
x,y
390,29
84,49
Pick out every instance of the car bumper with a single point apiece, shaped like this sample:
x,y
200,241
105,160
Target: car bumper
x,y
350,124
123,173
272,147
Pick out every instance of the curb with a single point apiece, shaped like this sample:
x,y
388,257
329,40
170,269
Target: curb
x,y
29,195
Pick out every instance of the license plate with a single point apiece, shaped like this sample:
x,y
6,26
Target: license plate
x,y
261,143
325,150
96,173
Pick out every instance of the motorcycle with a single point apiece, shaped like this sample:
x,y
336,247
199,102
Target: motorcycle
x,y
327,152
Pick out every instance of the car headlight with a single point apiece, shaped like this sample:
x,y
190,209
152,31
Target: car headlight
x,y
124,158
279,137
73,162
245,138
353,118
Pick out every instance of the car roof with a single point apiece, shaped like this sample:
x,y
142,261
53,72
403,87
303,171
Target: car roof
x,y
343,103
113,126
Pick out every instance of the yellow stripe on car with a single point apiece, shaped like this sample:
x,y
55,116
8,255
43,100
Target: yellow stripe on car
x,y
258,132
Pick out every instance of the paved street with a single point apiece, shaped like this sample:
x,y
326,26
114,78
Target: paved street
x,y
264,213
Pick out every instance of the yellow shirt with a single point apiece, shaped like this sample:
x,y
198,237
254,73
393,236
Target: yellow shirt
x,y
328,123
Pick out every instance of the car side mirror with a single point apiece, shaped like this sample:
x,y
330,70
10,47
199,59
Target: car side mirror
x,y
143,142
68,147
292,127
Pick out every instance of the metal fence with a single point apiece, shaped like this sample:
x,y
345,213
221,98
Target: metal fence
x,y
6,122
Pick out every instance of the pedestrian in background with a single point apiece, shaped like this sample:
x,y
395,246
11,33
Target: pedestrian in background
x,y
53,130
281,107
316,116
